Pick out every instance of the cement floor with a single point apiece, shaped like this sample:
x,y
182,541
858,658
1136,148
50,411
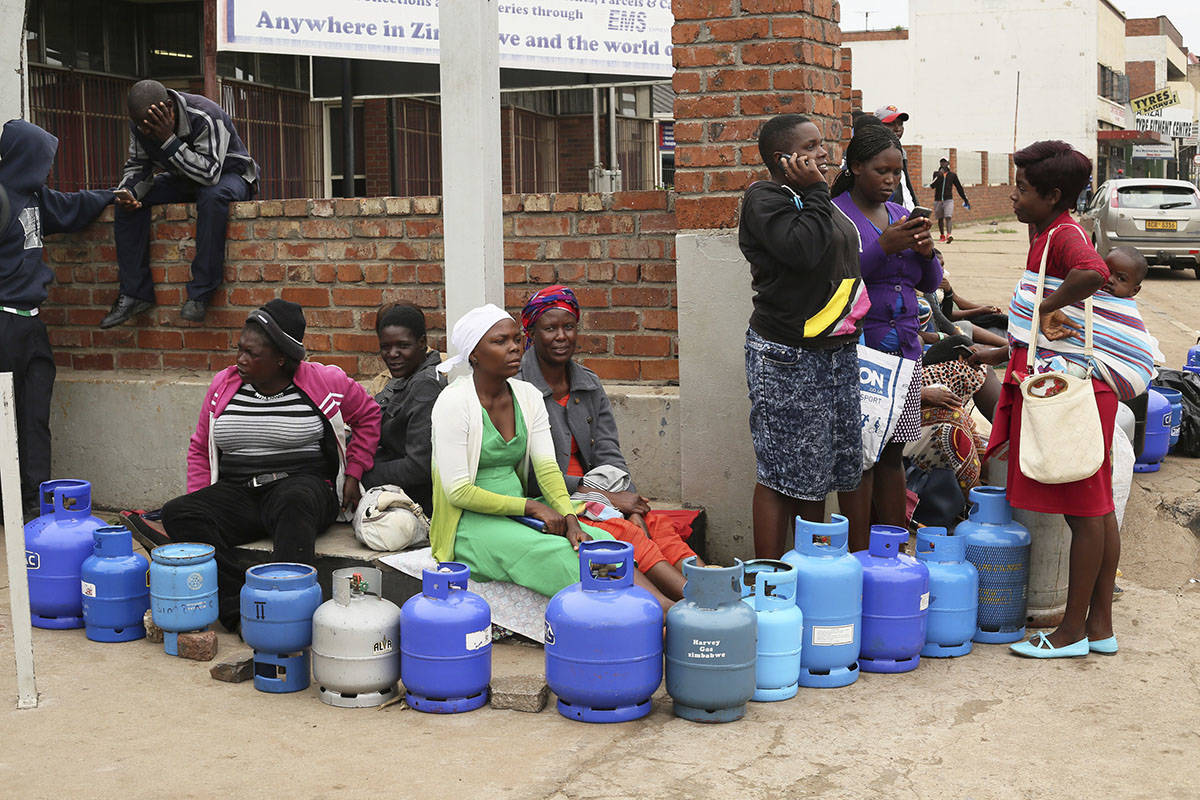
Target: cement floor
x,y
126,721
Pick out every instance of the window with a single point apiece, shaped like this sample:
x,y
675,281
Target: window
x,y
1112,85
418,140
173,35
86,35
534,153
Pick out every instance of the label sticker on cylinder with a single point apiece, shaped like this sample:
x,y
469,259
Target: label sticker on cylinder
x,y
924,601
32,560
88,589
195,581
478,639
829,635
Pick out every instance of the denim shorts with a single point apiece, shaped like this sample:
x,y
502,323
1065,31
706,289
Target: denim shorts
x,y
805,417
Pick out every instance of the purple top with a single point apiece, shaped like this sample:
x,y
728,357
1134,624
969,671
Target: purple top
x,y
892,284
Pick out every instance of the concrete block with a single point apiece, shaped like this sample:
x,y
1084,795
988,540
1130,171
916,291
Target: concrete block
x,y
153,632
198,645
235,669
520,693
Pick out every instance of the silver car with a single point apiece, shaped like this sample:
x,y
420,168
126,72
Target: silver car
x,y
1158,217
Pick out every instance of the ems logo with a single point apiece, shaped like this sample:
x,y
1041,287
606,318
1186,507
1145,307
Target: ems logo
x,y
874,379
549,634
32,560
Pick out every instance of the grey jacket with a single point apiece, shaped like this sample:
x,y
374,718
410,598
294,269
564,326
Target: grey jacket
x,y
405,443
588,417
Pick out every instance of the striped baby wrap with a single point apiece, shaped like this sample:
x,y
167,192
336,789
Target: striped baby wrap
x,y
1124,352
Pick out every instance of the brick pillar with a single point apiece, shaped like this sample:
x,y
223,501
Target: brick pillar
x,y
737,64
375,142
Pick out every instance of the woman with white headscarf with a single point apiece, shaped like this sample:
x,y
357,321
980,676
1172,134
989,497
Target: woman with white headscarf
x,y
489,430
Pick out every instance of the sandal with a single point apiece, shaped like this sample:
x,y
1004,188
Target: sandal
x,y
150,534
1107,647
1039,646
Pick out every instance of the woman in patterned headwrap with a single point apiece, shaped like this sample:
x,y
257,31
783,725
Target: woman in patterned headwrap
x,y
585,439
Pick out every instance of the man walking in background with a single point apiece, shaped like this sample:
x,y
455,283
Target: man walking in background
x,y
944,183
894,119
192,145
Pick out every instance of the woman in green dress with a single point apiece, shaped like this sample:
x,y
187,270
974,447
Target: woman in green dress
x,y
489,429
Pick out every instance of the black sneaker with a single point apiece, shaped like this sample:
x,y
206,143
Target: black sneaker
x,y
124,308
194,310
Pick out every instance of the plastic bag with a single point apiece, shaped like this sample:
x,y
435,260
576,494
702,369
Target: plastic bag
x,y
1188,384
883,381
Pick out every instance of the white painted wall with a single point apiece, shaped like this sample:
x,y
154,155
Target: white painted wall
x,y
1110,38
960,63
12,60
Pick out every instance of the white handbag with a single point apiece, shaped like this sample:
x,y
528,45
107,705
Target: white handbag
x,y
1061,437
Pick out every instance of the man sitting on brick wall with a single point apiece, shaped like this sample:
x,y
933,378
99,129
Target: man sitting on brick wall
x,y
191,142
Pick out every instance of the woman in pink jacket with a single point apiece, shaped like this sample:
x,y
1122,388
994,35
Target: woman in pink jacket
x,y
270,455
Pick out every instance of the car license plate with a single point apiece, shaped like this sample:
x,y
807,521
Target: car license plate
x,y
1161,225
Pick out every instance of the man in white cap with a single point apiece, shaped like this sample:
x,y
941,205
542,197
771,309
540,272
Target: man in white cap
x,y
894,119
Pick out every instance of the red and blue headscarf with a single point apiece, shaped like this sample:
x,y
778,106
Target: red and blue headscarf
x,y
544,300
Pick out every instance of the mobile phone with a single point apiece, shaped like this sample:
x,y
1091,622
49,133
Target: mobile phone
x,y
125,195
962,351
920,211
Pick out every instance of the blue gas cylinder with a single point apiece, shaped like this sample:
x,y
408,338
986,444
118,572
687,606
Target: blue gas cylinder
x,y
1158,433
710,649
183,590
56,546
115,585
277,604
895,603
446,643
604,651
829,589
1175,398
999,550
769,587
953,593
1193,359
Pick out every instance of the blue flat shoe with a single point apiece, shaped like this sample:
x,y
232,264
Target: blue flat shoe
x,y
1039,646
1106,647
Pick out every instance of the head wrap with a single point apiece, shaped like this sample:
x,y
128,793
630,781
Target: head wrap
x,y
924,312
543,301
469,329
284,323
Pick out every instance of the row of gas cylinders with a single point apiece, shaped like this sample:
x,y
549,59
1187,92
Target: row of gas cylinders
x,y
760,630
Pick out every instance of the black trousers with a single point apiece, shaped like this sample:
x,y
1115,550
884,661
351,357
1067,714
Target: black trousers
x,y
292,511
25,352
131,230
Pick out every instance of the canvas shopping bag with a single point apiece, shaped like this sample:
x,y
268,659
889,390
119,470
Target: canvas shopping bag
x,y
1061,437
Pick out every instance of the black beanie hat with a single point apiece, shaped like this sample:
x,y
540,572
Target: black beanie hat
x,y
283,321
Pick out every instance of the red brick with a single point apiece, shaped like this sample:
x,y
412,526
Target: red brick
x,y
613,369
640,296
329,317
738,79
345,251
736,30
521,251
206,340
784,52
423,228
375,273
160,340
734,180
357,296
393,228
707,212
701,9
307,296
655,319
776,6
761,105
139,360
636,248
355,342
349,273
318,342
591,297
542,226
430,273
611,320
70,337
325,229
706,106
639,201
685,82
83,361
660,370
706,155
173,230
684,33
301,250
605,224
599,271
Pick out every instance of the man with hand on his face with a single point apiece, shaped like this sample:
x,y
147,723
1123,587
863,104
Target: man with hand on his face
x,y
192,145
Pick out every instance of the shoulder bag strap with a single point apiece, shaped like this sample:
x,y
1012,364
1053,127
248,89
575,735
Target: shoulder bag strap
x,y
1035,323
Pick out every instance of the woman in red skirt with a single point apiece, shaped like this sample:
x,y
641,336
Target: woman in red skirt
x,y
1050,175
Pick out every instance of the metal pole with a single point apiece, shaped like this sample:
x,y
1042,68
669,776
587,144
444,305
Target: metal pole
x,y
14,546
1016,110
612,129
347,131
596,162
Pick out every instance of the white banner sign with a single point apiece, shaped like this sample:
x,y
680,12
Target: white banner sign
x,y
1153,151
619,37
1171,126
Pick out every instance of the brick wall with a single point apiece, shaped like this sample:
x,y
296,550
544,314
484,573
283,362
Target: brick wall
x,y
1141,77
375,143
341,259
737,64
575,150
875,36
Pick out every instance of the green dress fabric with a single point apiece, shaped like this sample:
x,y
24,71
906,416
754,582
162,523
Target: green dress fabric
x,y
497,548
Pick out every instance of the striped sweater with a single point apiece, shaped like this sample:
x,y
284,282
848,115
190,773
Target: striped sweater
x,y
204,147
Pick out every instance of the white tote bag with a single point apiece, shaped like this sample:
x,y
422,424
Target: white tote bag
x,y
1061,437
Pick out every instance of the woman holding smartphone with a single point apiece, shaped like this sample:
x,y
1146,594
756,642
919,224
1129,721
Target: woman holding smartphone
x,y
897,263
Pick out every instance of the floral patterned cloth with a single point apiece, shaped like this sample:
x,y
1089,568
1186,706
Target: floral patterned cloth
x,y
948,435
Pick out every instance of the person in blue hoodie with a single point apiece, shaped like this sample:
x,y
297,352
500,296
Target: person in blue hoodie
x,y
26,156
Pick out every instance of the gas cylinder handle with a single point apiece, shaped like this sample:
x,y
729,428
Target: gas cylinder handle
x,y
438,582
73,499
823,539
926,536
343,581
605,552
887,541
112,540
774,588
